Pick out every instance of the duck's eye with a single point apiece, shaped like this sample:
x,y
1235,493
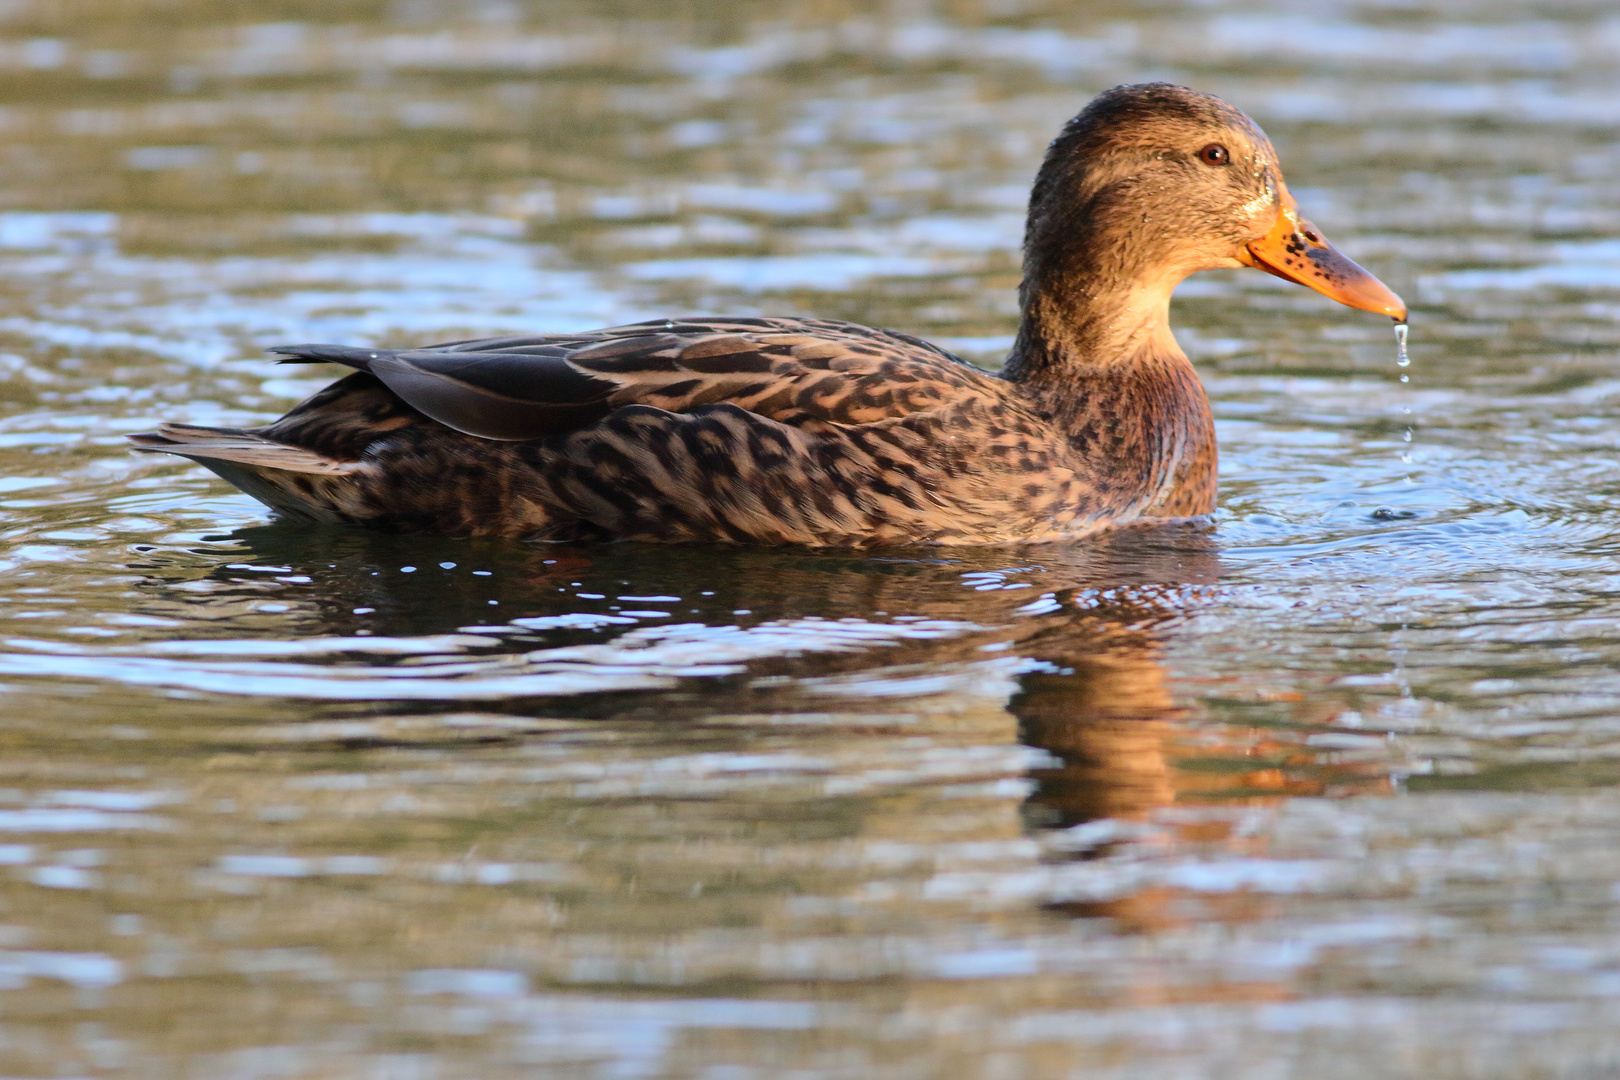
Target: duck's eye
x,y
1214,154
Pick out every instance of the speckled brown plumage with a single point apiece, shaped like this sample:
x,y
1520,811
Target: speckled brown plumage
x,y
805,431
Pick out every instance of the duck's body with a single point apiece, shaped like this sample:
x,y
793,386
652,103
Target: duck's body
x,y
815,432
756,430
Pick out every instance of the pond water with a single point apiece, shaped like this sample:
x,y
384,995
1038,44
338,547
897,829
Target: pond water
x,y
1325,791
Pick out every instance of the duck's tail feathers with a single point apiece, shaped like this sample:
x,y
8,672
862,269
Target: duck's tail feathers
x,y
294,482
347,355
234,444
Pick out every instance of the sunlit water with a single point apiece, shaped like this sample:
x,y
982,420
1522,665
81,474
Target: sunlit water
x,y
1326,791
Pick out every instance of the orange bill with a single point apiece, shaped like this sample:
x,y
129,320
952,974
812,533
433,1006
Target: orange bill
x,y
1294,251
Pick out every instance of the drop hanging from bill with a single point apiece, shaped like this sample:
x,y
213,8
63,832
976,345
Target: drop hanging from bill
x,y
1402,360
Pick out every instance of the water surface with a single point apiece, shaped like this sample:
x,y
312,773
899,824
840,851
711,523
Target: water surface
x,y
1326,790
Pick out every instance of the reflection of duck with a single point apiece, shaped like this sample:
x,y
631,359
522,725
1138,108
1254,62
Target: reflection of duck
x,y
1095,616
817,432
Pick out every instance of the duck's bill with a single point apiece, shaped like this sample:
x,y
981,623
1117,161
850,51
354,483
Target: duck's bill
x,y
1294,251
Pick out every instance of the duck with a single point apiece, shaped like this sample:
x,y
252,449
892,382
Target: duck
x,y
828,434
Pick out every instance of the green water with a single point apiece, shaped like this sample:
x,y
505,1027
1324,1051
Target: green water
x,y
1326,791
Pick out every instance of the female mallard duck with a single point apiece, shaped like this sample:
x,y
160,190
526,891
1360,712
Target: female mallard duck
x,y
808,431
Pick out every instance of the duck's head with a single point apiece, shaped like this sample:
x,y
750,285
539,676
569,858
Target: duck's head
x,y
1154,182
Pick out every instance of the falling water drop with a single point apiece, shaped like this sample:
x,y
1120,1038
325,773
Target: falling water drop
x,y
1402,360
1397,643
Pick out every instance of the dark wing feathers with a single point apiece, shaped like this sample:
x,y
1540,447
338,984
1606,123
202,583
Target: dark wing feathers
x,y
617,348
347,355
523,376
797,371
473,397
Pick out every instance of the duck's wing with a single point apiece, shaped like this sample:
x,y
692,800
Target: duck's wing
x,y
797,371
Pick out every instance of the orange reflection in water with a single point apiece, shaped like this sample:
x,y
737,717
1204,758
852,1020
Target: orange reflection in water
x,y
1129,751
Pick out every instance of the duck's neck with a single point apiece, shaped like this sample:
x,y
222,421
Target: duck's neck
x,y
1084,329
1098,357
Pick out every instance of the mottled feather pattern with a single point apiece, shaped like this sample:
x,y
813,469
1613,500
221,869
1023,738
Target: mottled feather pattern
x,y
760,430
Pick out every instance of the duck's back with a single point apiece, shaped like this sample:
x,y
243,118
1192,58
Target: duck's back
x,y
765,430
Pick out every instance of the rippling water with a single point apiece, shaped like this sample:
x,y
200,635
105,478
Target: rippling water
x,y
1327,791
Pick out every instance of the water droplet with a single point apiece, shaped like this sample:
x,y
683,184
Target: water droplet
x,y
1402,360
